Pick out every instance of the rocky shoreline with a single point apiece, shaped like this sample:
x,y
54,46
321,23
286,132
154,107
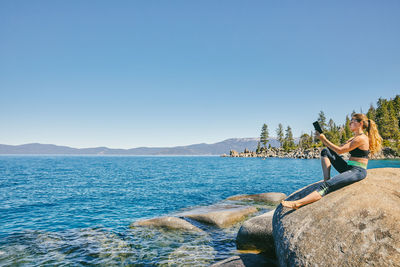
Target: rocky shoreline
x,y
299,153
206,221
359,225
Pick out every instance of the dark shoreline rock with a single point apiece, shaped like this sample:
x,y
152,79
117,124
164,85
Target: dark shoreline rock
x,y
256,234
273,152
246,260
312,153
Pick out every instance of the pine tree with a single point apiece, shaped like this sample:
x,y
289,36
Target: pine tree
x,y
279,134
329,130
383,119
314,140
322,120
343,137
305,141
333,132
258,150
288,144
394,122
371,114
348,133
388,124
396,104
264,135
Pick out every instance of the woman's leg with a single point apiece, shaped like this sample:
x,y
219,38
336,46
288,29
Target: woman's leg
x,y
353,175
310,198
330,157
341,180
326,168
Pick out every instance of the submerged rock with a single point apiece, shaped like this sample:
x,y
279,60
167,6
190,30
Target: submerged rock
x,y
66,248
270,198
187,255
105,244
256,233
246,260
173,223
220,215
358,225
154,245
33,247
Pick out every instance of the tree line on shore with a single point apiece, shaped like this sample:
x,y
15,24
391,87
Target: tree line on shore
x,y
386,115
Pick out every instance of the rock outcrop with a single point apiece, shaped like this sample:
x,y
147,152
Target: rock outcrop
x,y
220,215
168,222
299,153
271,198
222,218
256,234
386,153
234,153
274,152
358,225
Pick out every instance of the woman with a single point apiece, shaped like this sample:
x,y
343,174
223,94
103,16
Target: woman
x,y
351,171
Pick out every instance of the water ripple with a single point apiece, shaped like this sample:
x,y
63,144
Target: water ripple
x,y
75,210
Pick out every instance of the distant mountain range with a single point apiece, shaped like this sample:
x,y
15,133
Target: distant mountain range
x,y
224,147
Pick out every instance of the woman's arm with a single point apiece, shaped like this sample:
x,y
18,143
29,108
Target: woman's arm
x,y
348,141
355,142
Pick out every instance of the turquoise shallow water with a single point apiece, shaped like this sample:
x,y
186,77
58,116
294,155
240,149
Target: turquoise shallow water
x,y
75,210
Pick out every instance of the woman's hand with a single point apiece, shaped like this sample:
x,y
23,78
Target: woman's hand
x,y
319,136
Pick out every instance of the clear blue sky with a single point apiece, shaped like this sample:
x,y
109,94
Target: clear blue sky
x,y
126,74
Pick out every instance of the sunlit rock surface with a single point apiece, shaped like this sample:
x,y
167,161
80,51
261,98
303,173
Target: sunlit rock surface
x,y
168,222
272,198
220,215
358,225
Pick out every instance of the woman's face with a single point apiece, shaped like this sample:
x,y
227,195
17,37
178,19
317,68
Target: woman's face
x,y
354,124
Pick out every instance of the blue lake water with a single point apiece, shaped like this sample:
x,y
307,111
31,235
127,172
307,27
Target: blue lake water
x,y
76,210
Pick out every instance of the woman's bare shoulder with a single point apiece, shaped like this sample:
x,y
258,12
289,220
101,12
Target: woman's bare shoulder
x,y
362,140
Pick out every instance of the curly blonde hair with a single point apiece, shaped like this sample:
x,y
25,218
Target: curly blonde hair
x,y
375,139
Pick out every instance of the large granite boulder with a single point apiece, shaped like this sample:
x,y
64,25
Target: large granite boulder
x,y
358,225
256,234
272,198
246,260
221,216
173,223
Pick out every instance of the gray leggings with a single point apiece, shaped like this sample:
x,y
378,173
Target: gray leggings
x,y
347,174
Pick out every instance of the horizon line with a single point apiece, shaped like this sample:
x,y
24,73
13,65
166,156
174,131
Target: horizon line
x,y
34,143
